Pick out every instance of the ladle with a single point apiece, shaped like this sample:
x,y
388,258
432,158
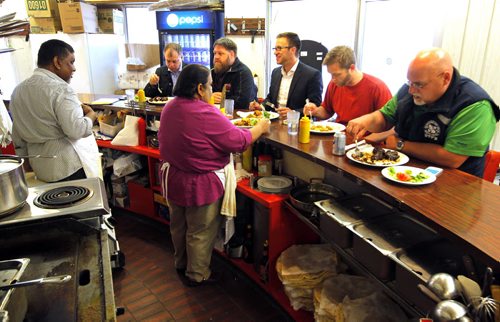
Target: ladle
x,y
43,280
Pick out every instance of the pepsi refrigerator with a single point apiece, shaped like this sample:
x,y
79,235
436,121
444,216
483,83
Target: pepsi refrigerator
x,y
194,30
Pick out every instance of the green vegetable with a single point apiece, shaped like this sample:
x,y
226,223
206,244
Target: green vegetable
x,y
267,114
392,171
421,176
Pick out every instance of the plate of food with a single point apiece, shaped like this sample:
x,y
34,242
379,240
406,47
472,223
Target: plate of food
x,y
158,100
408,175
245,123
326,127
377,157
258,114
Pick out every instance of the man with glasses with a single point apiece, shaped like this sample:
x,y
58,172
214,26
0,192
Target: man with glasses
x,y
228,69
350,93
294,82
439,115
162,82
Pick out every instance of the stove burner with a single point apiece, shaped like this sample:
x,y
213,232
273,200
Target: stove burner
x,y
63,197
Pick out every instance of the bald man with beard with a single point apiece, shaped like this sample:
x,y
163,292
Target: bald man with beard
x,y
439,115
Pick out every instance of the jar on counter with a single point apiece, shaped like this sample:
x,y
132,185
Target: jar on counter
x,y
265,166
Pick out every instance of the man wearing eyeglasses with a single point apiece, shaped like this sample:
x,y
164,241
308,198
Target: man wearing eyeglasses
x,y
351,93
294,82
439,115
162,82
228,69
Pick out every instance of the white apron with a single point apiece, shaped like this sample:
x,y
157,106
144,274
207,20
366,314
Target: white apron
x,y
89,155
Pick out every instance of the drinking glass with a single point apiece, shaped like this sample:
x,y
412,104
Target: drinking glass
x,y
229,107
293,122
130,96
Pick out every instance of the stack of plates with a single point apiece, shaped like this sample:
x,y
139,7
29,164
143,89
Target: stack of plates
x,y
274,184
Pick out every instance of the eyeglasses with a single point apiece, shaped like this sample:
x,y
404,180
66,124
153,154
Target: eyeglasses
x,y
279,48
419,85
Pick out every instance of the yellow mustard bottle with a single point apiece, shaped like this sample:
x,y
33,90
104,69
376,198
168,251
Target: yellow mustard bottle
x,y
141,97
304,130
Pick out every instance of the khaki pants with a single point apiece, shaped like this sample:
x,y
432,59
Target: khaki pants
x,y
193,231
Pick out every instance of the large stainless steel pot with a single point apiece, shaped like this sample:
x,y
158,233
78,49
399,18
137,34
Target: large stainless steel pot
x,y
13,187
304,196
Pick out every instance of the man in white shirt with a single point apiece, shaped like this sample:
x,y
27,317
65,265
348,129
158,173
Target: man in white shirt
x,y
48,118
294,82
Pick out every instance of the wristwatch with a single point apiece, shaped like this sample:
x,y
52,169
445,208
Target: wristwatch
x,y
400,145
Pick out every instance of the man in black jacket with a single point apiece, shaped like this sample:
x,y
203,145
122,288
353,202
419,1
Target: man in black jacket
x,y
162,82
228,69
294,82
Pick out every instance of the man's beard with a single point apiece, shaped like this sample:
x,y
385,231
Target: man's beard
x,y
220,68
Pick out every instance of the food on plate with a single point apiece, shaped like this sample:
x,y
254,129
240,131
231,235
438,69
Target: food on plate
x,y
407,175
159,99
321,128
245,122
377,156
259,114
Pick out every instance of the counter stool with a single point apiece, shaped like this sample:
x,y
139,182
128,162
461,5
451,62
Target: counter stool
x,y
491,165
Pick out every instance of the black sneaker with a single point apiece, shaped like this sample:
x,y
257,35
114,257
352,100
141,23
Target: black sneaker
x,y
212,279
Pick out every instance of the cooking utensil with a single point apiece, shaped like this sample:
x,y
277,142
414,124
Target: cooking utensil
x,y
13,186
450,311
469,287
488,279
444,286
303,197
44,280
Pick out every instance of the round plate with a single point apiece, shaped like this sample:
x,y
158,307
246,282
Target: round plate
x,y
272,115
412,171
403,158
335,127
274,184
150,101
241,126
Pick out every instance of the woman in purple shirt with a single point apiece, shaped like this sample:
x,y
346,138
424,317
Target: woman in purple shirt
x,y
196,139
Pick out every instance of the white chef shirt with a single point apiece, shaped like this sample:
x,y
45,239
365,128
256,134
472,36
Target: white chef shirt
x,y
46,114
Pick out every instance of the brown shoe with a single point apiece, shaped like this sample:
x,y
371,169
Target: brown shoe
x,y
212,279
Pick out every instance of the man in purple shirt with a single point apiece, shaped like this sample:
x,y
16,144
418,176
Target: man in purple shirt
x,y
196,140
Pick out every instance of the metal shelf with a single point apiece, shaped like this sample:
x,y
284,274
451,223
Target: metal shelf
x,y
358,268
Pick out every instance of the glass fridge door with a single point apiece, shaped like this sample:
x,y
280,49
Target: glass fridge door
x,y
196,47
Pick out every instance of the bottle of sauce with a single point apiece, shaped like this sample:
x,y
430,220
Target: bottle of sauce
x,y
304,130
141,127
265,165
247,159
141,98
277,161
248,245
264,263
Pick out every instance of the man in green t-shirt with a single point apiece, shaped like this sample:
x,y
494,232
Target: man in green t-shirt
x,y
439,115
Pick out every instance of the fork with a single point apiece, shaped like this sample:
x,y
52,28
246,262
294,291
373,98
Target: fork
x,y
159,89
357,151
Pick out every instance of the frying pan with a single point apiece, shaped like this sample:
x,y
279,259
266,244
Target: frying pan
x,y
303,197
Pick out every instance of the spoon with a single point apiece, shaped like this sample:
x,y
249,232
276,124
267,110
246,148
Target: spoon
x,y
43,280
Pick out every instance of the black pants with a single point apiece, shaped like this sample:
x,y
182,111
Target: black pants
x,y
80,174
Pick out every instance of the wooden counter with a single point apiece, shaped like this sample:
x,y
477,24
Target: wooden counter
x,y
461,207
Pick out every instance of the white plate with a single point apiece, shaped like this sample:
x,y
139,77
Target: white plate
x,y
272,115
336,127
104,101
150,101
413,171
274,184
403,158
241,127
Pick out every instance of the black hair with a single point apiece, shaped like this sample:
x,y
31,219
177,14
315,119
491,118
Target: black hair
x,y
190,77
293,40
227,43
53,48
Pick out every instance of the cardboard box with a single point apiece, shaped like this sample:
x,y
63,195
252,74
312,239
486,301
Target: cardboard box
x,y
42,8
45,25
147,53
110,21
78,17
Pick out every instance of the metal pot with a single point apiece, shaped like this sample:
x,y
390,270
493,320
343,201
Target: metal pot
x,y
13,187
303,197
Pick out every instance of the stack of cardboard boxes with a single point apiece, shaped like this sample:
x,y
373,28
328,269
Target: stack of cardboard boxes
x,y
48,16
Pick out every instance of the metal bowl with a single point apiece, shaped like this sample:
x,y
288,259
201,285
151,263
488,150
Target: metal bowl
x,y
450,311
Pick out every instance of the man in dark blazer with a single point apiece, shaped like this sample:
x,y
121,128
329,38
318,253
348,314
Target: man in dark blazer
x,y
294,82
162,82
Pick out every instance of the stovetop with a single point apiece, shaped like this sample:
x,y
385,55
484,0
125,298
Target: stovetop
x,y
93,202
